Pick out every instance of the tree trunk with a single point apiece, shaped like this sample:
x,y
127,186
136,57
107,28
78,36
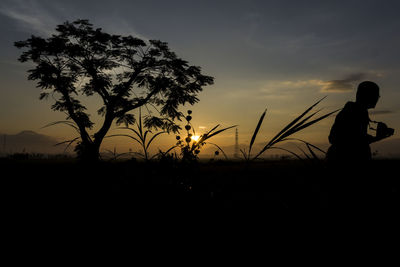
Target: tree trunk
x,y
88,151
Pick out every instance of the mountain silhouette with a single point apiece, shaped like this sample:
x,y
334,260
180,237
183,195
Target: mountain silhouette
x,y
29,142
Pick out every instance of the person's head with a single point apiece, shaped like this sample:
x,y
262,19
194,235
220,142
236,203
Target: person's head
x,y
367,94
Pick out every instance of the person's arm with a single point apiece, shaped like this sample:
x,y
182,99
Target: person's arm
x,y
382,132
373,139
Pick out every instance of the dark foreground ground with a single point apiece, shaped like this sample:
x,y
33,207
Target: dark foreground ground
x,y
68,186
65,186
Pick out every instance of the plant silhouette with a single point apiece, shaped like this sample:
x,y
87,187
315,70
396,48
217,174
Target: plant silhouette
x,y
190,148
293,127
124,71
350,141
141,136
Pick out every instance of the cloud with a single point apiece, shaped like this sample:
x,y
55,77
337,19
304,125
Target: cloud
x,y
38,18
345,85
30,16
381,112
119,25
285,89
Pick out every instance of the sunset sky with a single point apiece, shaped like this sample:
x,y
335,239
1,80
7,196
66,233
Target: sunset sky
x,y
280,55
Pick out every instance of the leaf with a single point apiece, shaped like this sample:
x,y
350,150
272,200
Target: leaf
x,y
134,131
140,124
144,137
124,135
43,96
194,132
291,152
244,154
226,157
219,131
305,120
138,153
305,154
294,130
212,129
287,127
305,142
69,123
204,137
291,129
127,119
70,142
152,138
253,138
171,148
312,152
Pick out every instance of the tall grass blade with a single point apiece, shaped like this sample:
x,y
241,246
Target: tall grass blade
x,y
70,142
144,136
305,154
171,148
133,130
217,132
194,131
226,157
212,129
287,150
125,135
204,137
305,142
292,127
69,123
305,119
117,155
312,152
244,154
294,130
281,138
287,127
140,154
165,153
140,126
152,138
253,138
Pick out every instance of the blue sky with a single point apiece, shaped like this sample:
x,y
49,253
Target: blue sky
x,y
280,55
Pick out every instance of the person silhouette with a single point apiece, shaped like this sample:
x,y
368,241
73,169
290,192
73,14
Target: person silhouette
x,y
349,183
350,142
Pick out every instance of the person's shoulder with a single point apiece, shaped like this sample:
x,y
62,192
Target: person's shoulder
x,y
354,109
350,105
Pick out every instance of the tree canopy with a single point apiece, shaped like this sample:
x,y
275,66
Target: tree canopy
x,y
125,71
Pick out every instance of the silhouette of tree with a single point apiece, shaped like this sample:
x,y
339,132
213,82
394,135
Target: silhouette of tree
x,y
125,71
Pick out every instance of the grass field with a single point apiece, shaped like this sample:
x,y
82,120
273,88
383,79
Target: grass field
x,y
64,185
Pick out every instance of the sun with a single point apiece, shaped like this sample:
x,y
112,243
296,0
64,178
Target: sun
x,y
195,137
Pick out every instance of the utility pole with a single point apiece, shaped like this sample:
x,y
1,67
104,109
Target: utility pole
x,y
236,154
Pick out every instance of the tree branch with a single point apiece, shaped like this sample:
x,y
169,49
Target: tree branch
x,y
82,129
140,103
93,74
